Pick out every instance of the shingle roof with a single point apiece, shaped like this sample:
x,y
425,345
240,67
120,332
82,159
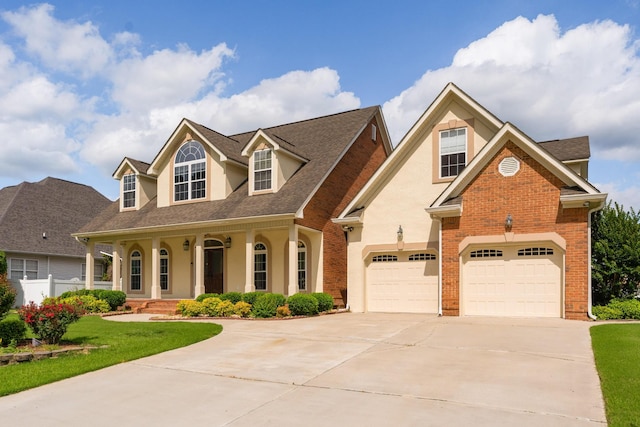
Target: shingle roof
x,y
321,140
142,167
229,146
568,149
52,206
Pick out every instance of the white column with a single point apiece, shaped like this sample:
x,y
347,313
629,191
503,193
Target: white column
x,y
90,267
199,254
292,253
248,262
126,265
155,268
116,266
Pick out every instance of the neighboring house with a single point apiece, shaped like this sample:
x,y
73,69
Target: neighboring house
x,y
469,216
36,222
245,212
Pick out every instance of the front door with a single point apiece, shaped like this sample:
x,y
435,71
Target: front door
x,y
213,268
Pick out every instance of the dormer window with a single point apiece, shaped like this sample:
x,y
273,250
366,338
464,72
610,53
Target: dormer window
x,y
190,172
129,191
262,170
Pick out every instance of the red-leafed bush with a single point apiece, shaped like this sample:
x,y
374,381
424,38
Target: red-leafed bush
x,y
49,322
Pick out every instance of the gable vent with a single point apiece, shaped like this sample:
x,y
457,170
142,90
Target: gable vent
x,y
509,166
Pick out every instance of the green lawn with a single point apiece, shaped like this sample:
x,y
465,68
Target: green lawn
x,y
617,352
126,341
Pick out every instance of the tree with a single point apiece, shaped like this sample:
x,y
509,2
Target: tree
x,y
7,293
615,250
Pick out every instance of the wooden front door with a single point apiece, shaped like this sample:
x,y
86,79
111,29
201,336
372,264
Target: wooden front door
x,y
213,270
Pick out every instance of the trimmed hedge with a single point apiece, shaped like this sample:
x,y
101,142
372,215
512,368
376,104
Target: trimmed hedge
x,y
302,305
234,297
325,301
251,297
12,330
115,299
203,297
267,304
618,309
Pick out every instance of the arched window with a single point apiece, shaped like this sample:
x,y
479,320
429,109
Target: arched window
x,y
260,266
190,172
135,280
302,266
164,269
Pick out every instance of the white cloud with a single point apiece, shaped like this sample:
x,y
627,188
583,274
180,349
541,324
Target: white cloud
x,y
629,197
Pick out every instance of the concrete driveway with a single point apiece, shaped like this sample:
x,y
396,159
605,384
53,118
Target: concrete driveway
x,y
345,369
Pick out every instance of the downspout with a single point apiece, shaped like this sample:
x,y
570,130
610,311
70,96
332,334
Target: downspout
x,y
439,263
589,296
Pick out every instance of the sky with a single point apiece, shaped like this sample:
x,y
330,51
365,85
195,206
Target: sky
x,y
85,83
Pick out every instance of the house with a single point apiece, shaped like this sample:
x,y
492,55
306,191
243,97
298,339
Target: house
x,y
470,216
36,222
245,212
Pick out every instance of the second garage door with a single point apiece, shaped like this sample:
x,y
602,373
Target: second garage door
x,y
403,283
513,281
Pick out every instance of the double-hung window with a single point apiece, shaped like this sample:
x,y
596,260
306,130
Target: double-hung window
x,y
164,269
20,268
136,271
453,152
302,267
129,191
260,267
190,172
262,170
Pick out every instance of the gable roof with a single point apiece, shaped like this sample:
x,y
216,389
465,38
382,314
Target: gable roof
x,y
52,206
569,149
139,167
323,141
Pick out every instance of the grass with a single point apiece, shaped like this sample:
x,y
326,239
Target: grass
x,y
616,348
126,340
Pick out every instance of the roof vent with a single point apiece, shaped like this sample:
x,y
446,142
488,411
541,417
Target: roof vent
x,y
509,166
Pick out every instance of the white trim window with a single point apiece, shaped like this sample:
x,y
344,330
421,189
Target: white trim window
x,y
164,269
190,172
23,267
453,152
262,170
302,266
260,266
129,191
135,282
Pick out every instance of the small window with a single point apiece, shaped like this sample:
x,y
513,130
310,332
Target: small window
x,y
453,152
260,267
136,271
164,269
190,172
129,191
23,267
98,271
385,258
486,253
302,266
535,251
422,257
262,170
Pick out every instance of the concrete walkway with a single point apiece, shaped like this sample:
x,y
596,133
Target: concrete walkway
x,y
345,369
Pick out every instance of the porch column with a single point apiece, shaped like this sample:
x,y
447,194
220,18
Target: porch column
x,y
248,261
115,267
89,268
125,266
155,268
292,253
199,254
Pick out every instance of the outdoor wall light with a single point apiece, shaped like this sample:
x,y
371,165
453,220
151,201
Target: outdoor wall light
x,y
400,233
508,223
185,245
227,242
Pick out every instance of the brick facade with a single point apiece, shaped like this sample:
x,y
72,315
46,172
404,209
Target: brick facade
x,y
352,172
532,197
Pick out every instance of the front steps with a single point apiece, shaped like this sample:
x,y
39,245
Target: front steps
x,y
153,306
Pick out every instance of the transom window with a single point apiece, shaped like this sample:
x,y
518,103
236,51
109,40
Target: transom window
x,y
260,266
190,172
384,258
535,251
262,170
302,266
129,191
164,269
453,151
486,253
422,257
136,271
23,267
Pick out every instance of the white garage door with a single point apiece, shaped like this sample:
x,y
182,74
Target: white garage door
x,y
403,283
521,281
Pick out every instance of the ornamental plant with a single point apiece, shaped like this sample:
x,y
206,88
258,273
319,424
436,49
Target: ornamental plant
x,y
49,322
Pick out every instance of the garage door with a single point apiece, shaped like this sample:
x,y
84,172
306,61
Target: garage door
x,y
520,281
403,283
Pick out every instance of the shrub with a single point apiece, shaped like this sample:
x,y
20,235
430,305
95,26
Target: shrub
x,y
226,308
7,296
87,302
115,299
242,309
49,322
267,304
251,297
12,330
283,311
618,309
325,301
234,297
302,305
210,306
190,308
203,297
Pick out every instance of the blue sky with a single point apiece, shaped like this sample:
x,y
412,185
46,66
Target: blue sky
x,y
83,84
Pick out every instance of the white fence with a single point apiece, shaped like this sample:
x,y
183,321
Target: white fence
x,y
37,290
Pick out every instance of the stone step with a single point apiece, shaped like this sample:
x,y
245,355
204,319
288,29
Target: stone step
x,y
153,306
